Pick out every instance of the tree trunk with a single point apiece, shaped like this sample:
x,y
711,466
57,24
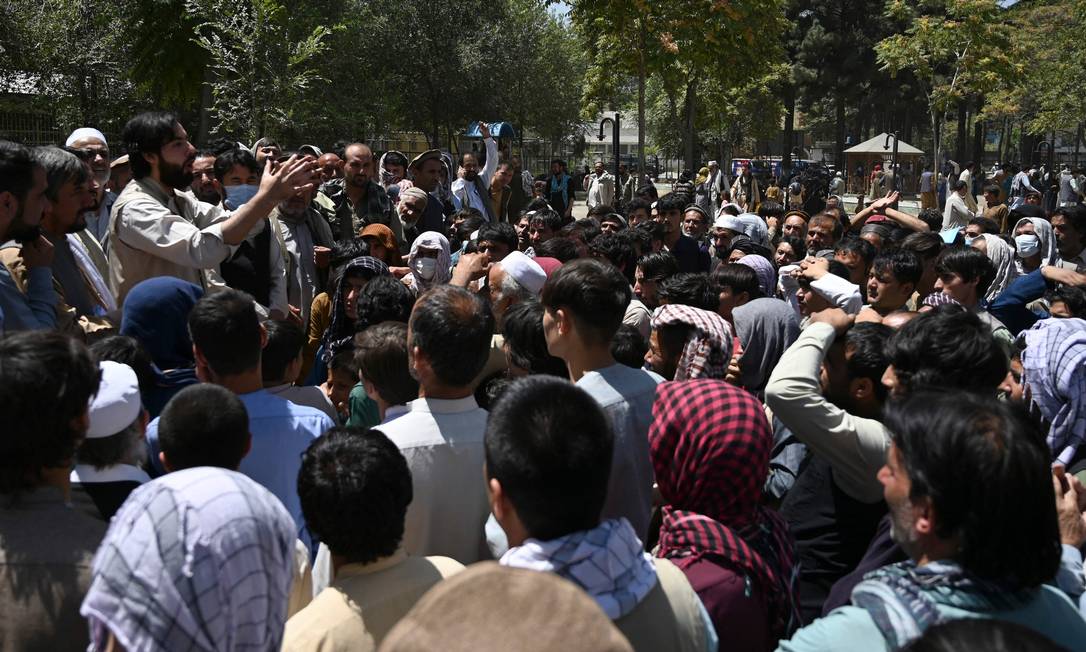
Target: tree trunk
x,y
839,124
963,120
690,133
641,81
980,130
789,130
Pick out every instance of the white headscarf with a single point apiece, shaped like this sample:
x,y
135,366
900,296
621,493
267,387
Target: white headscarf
x,y
1042,228
1002,256
431,240
198,559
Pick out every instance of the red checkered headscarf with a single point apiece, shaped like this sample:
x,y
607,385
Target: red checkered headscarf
x,y
710,444
708,347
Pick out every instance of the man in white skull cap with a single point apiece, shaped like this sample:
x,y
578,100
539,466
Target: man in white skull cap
x,y
91,140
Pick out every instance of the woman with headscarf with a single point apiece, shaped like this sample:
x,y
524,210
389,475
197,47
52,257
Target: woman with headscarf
x,y
688,342
430,262
709,444
755,228
382,243
1054,379
341,329
156,313
1002,256
1041,228
765,327
199,559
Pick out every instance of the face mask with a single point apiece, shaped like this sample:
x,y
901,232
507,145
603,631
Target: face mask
x,y
969,241
426,268
238,196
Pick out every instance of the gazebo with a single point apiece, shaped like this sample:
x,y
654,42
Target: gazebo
x,y
880,150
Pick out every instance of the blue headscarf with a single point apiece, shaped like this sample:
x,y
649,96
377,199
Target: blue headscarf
x,y
156,313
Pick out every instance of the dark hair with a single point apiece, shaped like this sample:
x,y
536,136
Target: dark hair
x,y
549,445
146,133
1075,216
866,344
204,425
797,244
933,217
563,249
546,218
838,228
452,327
990,635
647,191
118,448
127,350
343,252
502,232
770,209
629,346
586,229
654,229
226,330
991,189
948,347
853,245
689,289
354,486
595,293
473,221
16,169
285,342
226,161
522,329
740,278
617,249
1072,296
986,225
958,185
658,266
904,265
380,353
637,204
342,362
640,239
383,299
982,464
671,202
925,245
968,263
837,268
60,167
48,380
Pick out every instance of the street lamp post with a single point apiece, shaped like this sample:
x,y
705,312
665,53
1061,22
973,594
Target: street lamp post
x,y
614,136
893,159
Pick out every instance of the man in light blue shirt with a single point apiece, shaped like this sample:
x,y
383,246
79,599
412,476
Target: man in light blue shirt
x,y
22,200
969,488
584,302
227,339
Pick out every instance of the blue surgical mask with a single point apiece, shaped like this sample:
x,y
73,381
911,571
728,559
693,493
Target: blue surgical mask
x,y
238,196
969,241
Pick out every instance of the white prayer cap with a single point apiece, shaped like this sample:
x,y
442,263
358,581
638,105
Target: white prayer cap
x,y
120,160
117,403
1027,245
712,163
85,132
730,222
525,271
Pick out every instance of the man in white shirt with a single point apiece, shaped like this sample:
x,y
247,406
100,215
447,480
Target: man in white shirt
x,y
600,186
957,214
473,188
155,230
441,435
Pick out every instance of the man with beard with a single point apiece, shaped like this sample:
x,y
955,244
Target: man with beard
x,y
745,191
356,197
205,186
94,142
302,230
426,171
84,304
22,200
473,188
155,230
686,251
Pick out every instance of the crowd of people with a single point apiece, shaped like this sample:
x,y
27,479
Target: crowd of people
x,y
304,400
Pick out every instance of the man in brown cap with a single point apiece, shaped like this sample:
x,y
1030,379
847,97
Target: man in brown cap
x,y
426,171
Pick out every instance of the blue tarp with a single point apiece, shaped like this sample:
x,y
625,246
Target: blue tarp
x,y
497,129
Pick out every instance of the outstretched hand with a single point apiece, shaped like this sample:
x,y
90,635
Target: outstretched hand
x,y
292,176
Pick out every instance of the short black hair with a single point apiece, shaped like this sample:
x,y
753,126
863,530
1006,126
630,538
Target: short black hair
x,y
549,445
658,266
204,425
380,353
903,264
227,160
637,204
354,486
146,133
16,169
987,225
473,221
594,292
225,328
1071,296
982,464
958,185
546,218
690,289
862,248
48,380
865,344
285,342
60,167
383,299
452,327
740,278
617,249
970,264
770,209
526,342
933,217
502,232
1075,216
629,346
671,202
982,634
948,347
926,245
797,244
126,349
559,248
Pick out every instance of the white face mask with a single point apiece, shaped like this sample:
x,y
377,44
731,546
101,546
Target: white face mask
x,y
426,267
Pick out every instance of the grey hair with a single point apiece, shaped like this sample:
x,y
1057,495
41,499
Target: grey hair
x,y
61,166
511,288
126,447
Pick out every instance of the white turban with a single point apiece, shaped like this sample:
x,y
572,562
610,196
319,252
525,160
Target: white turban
x,y
85,132
524,271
